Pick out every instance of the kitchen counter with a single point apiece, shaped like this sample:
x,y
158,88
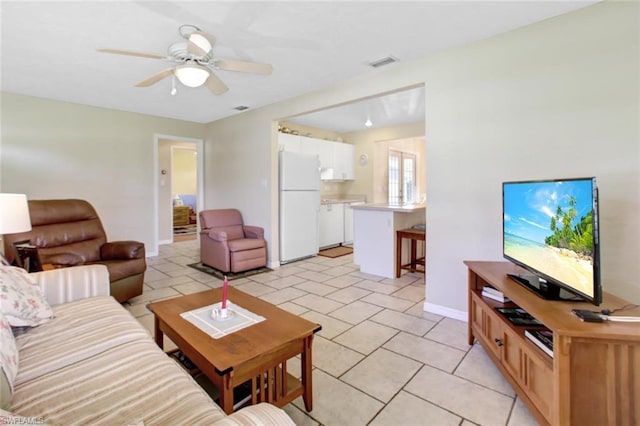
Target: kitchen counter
x,y
407,208
374,239
342,200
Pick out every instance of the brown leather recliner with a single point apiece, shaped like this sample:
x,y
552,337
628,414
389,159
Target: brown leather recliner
x,y
228,245
70,233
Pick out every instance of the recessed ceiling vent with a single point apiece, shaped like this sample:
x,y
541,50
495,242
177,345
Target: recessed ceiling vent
x,y
241,108
383,61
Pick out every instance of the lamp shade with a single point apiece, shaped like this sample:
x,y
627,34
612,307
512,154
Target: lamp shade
x,y
14,214
192,75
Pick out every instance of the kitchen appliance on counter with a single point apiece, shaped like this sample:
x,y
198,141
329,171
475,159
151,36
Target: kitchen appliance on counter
x,y
299,205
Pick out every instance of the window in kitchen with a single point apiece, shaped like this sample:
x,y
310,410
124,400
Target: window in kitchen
x,y
402,177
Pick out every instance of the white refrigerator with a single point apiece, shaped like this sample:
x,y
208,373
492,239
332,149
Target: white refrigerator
x,y
299,205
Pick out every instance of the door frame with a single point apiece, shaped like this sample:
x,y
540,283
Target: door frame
x,y
157,137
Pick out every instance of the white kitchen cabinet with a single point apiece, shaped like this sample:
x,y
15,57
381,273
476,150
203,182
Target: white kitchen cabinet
x,y
343,155
288,142
336,158
331,220
320,148
348,222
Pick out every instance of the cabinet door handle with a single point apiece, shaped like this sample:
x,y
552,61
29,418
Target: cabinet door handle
x,y
499,342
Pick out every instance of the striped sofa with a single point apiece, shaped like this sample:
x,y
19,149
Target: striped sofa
x,y
96,364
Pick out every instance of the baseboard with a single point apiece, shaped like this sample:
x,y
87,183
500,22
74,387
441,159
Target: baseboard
x,y
445,311
273,264
162,242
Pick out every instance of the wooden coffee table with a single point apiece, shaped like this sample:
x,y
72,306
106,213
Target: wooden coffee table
x,y
257,353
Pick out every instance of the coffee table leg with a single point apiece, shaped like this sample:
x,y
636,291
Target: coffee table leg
x,y
157,332
307,387
226,394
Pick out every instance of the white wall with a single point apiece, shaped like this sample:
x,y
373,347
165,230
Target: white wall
x,y
185,168
365,143
558,98
165,202
238,172
555,99
55,149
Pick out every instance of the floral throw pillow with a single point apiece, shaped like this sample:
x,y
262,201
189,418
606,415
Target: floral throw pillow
x,y
21,302
8,361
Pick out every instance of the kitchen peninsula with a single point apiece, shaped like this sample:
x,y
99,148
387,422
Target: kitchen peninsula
x,y
375,226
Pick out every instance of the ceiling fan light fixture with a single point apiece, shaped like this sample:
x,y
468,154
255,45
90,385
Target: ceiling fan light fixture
x,y
191,75
368,123
194,62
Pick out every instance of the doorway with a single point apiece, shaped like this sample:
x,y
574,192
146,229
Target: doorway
x,y
179,183
184,191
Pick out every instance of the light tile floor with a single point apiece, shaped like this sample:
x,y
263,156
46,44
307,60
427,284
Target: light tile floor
x,y
379,359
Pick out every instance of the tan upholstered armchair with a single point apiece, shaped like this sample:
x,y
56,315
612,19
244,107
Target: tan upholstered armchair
x,y
228,245
70,233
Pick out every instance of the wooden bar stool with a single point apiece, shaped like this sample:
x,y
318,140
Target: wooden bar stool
x,y
416,264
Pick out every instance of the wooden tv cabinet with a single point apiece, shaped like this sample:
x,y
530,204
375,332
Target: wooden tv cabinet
x,y
593,377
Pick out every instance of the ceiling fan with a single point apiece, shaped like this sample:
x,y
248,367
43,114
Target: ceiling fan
x,y
195,62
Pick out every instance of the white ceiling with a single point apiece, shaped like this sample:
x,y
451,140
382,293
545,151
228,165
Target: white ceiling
x,y
402,107
48,48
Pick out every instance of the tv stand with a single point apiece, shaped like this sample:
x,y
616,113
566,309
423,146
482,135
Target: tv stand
x,y
592,376
543,289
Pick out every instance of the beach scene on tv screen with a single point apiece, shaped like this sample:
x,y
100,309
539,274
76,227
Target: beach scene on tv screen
x,y
549,227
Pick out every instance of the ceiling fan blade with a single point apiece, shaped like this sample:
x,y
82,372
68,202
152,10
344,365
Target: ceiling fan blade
x,y
216,85
211,39
201,43
155,78
129,53
243,66
195,49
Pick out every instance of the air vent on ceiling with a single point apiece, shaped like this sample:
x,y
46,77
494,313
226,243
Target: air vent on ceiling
x,y
383,61
241,108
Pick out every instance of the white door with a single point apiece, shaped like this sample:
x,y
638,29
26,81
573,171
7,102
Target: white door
x,y
402,177
298,224
331,224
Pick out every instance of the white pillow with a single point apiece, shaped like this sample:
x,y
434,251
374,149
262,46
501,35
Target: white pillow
x,y
8,362
21,301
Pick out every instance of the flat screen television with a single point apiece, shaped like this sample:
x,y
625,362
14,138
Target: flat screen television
x,y
550,228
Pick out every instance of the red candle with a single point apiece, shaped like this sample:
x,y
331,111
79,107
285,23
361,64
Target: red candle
x,y
225,286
